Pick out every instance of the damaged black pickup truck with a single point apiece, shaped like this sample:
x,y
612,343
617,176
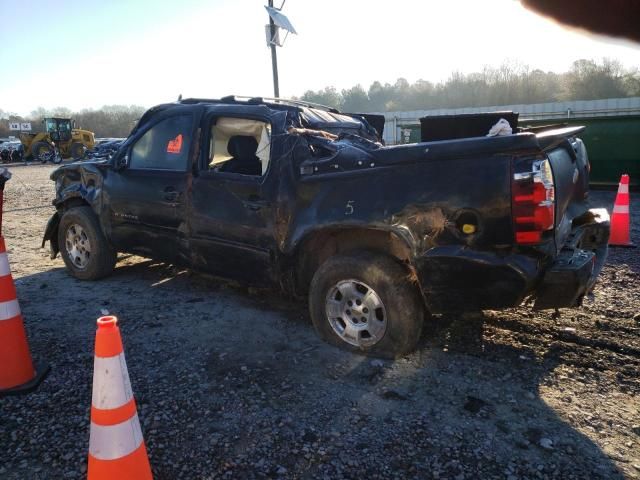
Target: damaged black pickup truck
x,y
307,199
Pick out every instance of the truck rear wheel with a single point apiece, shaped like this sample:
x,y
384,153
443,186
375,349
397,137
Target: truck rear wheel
x,y
364,302
84,248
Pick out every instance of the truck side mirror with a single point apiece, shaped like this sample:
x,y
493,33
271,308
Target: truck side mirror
x,y
122,161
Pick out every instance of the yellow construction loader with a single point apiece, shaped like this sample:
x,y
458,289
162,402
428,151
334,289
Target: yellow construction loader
x,y
58,133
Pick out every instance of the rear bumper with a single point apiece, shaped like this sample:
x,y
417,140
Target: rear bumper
x,y
574,272
456,278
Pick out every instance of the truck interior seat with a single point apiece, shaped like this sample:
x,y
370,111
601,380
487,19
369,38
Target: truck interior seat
x,y
243,149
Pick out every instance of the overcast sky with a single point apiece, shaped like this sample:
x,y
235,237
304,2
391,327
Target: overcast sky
x,y
85,54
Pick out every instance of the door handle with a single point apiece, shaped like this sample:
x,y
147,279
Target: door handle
x,y
170,194
256,204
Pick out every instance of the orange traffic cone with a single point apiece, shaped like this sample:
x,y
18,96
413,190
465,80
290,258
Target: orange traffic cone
x,y
17,374
620,234
116,446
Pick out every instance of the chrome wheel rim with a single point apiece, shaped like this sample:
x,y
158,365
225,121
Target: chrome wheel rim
x,y
356,313
78,246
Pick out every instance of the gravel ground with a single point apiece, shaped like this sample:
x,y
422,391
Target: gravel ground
x,y
233,383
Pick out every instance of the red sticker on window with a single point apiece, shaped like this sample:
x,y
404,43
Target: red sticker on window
x,y
175,145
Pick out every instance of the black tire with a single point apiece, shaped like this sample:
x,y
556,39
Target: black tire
x,y
102,257
77,151
402,305
42,151
16,156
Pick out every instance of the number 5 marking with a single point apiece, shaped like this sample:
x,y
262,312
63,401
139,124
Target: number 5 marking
x,y
349,207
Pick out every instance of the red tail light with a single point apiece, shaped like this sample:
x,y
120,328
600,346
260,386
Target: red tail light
x,y
533,202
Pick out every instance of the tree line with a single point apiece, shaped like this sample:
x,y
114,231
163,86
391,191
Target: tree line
x,y
507,84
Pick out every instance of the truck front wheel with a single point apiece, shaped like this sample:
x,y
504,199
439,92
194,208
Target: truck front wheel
x,y
365,302
84,248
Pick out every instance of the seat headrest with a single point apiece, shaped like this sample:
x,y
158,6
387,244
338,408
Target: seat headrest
x,y
242,146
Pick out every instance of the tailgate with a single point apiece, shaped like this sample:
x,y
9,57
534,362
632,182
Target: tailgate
x,y
570,166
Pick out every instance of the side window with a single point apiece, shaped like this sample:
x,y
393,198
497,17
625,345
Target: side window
x,y
239,145
165,146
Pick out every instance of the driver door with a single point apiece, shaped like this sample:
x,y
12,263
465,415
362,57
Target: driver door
x,y
146,199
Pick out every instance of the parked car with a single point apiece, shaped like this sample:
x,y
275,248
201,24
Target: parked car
x,y
11,151
275,193
105,147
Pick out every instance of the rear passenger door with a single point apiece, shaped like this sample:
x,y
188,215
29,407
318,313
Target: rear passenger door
x,y
232,212
146,198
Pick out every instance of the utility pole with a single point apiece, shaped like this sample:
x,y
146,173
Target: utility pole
x,y
277,21
274,56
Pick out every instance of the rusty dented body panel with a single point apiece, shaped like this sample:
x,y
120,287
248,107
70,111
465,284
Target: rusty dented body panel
x,y
442,208
420,194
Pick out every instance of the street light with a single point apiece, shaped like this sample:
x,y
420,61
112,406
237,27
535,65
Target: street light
x,y
277,21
